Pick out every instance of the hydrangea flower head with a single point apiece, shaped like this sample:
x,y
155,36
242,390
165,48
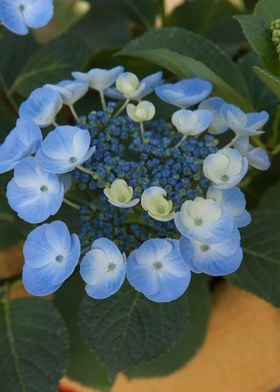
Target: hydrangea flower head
x,y
103,269
184,93
203,220
114,160
158,270
41,106
20,15
64,149
33,193
51,254
226,168
24,140
242,123
218,259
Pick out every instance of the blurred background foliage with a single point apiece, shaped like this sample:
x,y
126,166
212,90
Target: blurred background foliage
x,y
225,41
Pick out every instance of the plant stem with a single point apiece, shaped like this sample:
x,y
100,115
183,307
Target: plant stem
x,y
142,132
118,112
179,143
74,113
231,143
102,98
87,171
55,124
71,203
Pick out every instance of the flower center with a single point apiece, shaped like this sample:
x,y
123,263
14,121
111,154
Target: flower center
x,y
21,7
225,178
204,248
198,221
44,188
59,258
157,265
72,160
111,267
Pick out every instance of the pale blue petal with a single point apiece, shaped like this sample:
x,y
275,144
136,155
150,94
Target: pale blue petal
x,y
257,120
171,288
244,219
258,158
150,82
109,286
12,17
110,248
112,92
214,105
184,93
23,140
41,106
37,13
232,199
26,197
36,283
70,90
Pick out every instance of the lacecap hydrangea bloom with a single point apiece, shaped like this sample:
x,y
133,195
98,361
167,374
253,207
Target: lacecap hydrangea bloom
x,y
159,198
20,15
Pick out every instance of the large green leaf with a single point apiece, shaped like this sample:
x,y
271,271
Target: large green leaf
x,y
272,81
187,54
260,270
268,9
33,346
271,198
127,329
261,96
50,64
189,45
92,372
199,299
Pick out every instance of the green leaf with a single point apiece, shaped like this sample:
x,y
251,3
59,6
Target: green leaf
x,y
33,346
101,29
272,81
257,31
268,9
50,64
199,301
92,372
260,270
127,329
15,51
271,198
187,54
261,96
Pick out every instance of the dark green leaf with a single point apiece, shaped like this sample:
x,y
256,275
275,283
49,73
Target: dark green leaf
x,y
33,346
261,96
268,9
127,329
92,372
271,198
272,81
260,270
188,54
199,299
51,63
257,31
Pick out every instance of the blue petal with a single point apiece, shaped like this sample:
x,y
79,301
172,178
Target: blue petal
x,y
258,158
37,13
151,82
36,283
184,93
171,288
25,194
214,105
257,120
23,140
41,106
244,219
12,17
108,287
63,145
221,258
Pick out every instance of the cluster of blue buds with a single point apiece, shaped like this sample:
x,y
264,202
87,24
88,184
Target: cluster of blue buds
x,y
20,15
164,193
